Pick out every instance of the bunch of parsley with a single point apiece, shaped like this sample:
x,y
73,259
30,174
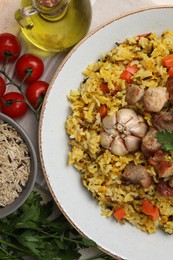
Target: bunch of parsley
x,y
30,232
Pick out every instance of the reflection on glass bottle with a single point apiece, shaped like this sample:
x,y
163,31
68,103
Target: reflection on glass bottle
x,y
54,25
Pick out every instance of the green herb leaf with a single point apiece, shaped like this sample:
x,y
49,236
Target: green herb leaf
x,y
29,231
165,138
88,243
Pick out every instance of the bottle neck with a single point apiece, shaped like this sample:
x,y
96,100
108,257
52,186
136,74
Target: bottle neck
x,y
51,12
51,9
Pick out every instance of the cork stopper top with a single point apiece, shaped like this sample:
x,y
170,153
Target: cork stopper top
x,y
49,3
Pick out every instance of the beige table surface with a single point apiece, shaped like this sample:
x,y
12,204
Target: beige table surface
x,y
103,11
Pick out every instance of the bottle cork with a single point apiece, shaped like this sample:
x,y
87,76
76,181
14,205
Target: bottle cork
x,y
49,3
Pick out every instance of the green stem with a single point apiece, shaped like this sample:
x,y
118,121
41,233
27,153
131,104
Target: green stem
x,y
19,87
55,236
4,251
5,65
9,79
13,246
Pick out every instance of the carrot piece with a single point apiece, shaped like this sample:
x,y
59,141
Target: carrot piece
x,y
167,61
170,71
155,213
126,75
132,68
119,213
129,71
102,110
149,209
104,87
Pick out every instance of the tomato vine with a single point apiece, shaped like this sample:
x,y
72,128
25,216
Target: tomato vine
x,y
28,69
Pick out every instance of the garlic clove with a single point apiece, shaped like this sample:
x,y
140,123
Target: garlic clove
x,y
112,132
132,143
105,139
109,121
118,147
131,123
140,129
124,115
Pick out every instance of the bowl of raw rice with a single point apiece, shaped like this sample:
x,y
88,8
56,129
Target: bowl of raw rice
x,y
18,165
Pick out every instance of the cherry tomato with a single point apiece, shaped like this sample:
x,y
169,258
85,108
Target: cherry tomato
x,y
10,47
12,106
2,86
36,91
29,63
0,104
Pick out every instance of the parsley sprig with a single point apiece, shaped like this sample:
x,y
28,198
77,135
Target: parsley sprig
x,y
165,138
29,231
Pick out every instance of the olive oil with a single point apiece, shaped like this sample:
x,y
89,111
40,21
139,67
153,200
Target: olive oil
x,y
56,32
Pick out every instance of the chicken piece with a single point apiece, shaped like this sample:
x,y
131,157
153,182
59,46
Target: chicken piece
x,y
154,99
156,158
134,93
163,120
163,167
171,182
137,174
164,189
169,86
150,145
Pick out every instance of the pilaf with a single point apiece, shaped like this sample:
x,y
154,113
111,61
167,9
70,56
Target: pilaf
x,y
99,146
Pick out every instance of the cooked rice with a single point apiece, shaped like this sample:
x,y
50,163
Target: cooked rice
x,y
14,164
101,170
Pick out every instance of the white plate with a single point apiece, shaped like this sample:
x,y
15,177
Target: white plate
x,y
64,182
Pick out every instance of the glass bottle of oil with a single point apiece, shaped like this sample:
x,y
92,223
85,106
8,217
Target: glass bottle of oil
x,y
54,25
